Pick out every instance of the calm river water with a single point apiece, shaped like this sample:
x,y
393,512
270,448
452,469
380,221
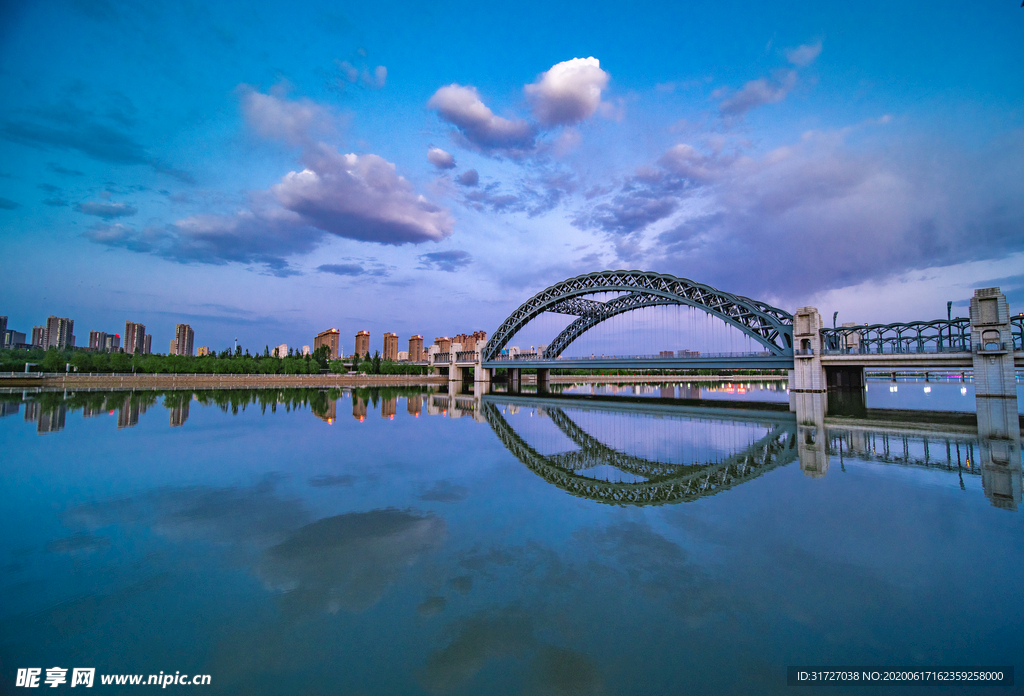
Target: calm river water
x,y
403,542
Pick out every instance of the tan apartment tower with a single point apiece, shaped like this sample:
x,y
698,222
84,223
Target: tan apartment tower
x,y
415,348
134,337
443,343
362,343
390,346
183,339
330,338
471,341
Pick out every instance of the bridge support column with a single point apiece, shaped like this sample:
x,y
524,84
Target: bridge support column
x,y
543,380
808,373
995,390
514,380
454,376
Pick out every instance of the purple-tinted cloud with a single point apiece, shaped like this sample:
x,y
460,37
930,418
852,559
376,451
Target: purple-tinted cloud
x,y
758,93
462,107
450,261
468,178
440,159
106,210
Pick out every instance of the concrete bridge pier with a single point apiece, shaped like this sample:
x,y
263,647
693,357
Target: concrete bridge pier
x,y
515,380
454,376
543,380
808,375
995,390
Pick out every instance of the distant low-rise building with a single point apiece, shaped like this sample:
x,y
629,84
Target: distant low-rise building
x,y
403,356
390,346
330,338
281,351
14,340
305,350
362,343
203,350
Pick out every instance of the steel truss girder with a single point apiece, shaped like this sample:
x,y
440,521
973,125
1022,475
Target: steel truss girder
x,y
775,449
769,326
901,337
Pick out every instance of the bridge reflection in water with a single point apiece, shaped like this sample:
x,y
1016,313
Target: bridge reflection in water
x,y
650,452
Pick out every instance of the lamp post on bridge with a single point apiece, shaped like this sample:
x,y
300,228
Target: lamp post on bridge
x,y
834,315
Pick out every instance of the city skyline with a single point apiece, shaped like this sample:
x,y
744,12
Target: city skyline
x,y
190,167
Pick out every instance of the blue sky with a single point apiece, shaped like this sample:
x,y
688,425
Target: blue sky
x,y
267,170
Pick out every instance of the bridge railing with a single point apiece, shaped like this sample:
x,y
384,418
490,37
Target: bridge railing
x,y
466,356
939,336
442,357
531,357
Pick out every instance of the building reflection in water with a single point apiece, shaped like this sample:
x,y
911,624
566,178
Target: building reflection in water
x,y
818,430
358,408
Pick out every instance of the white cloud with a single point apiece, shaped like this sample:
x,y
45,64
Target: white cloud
x,y
804,55
568,93
440,159
273,117
462,107
361,197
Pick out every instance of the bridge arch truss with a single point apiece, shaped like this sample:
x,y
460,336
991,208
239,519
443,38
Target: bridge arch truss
x,y
770,326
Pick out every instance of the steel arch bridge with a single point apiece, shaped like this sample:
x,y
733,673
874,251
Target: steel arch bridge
x,y
666,483
770,326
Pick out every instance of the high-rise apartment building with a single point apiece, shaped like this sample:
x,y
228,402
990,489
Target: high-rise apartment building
x,y
60,332
443,343
113,343
281,351
389,407
390,346
183,337
38,336
330,338
3,327
416,348
134,337
363,343
172,350
147,344
98,341
358,408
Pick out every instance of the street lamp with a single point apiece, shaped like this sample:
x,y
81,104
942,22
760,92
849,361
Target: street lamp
x,y
834,315
949,310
